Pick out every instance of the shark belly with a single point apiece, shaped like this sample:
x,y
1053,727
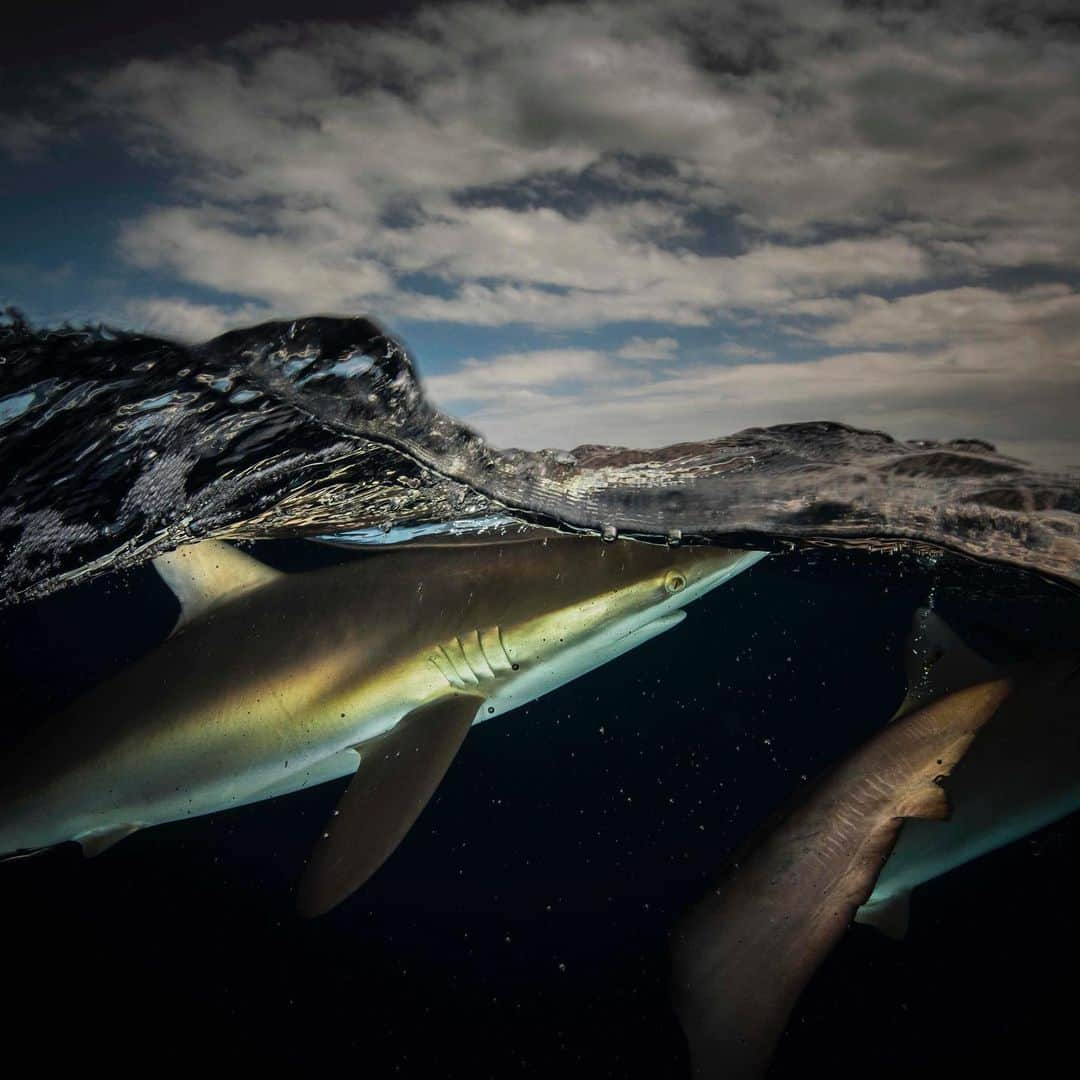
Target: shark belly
x,y
333,767
210,752
565,665
512,691
279,739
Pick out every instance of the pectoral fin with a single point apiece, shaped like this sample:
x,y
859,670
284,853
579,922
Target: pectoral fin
x,y
397,776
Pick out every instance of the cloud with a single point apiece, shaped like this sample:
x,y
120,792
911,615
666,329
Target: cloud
x,y
887,189
638,348
1011,375
1030,319
181,320
511,380
205,246
24,137
502,152
909,395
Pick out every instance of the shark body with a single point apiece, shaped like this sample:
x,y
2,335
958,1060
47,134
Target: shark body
x,y
743,954
1022,773
976,756
274,682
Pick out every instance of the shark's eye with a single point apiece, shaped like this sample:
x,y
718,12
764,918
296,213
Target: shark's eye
x,y
674,582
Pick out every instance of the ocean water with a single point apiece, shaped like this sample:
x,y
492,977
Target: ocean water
x,y
522,928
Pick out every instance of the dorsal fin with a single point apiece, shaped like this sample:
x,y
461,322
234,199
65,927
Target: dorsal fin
x,y
938,663
206,574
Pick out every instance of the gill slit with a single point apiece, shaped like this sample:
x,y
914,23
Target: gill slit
x,y
460,663
490,673
502,646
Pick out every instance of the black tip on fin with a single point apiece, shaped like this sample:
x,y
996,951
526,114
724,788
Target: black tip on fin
x,y
398,774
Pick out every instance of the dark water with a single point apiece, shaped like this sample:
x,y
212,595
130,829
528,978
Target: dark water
x,y
522,927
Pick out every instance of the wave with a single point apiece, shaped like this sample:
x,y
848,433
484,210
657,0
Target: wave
x,y
116,446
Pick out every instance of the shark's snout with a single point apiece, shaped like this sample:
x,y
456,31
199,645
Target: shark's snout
x,y
713,567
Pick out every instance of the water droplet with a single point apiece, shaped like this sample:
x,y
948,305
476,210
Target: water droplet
x,y
609,533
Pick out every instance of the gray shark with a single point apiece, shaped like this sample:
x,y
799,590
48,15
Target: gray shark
x,y
1022,774
274,682
742,955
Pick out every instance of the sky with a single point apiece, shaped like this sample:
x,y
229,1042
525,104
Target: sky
x,y
591,222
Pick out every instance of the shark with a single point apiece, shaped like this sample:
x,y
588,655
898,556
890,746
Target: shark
x,y
376,668
1022,774
743,954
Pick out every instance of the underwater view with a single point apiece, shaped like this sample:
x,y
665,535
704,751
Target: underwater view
x,y
541,539
607,860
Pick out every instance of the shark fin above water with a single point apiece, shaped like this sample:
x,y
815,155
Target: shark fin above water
x,y
203,576
742,956
398,774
